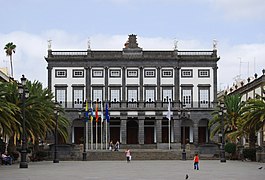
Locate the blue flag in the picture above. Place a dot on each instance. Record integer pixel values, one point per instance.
(107, 113)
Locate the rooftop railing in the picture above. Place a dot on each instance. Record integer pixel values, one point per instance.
(137, 105)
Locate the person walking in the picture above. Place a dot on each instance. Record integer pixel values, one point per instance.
(128, 155)
(196, 161)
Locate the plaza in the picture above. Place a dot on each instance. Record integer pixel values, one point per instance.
(174, 169)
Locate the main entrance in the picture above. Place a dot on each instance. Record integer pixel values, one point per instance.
(132, 132)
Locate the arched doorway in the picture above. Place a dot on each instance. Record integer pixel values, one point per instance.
(77, 131)
(132, 132)
(186, 131)
(203, 133)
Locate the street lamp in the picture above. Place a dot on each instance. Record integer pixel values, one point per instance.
(222, 111)
(23, 91)
(84, 138)
(183, 114)
(56, 112)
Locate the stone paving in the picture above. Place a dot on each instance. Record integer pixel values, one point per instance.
(136, 170)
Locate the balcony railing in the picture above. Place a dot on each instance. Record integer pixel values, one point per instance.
(139, 105)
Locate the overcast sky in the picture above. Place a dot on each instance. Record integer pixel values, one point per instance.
(237, 25)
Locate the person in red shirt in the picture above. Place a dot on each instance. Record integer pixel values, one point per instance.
(196, 162)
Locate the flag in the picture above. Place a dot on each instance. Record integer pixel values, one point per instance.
(91, 111)
(168, 111)
(96, 111)
(86, 111)
(102, 115)
(107, 113)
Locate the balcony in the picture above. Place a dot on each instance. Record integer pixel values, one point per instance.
(140, 105)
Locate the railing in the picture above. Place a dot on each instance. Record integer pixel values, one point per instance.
(195, 53)
(69, 53)
(139, 105)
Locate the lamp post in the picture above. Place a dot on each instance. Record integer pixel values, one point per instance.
(23, 91)
(221, 114)
(183, 114)
(84, 138)
(56, 112)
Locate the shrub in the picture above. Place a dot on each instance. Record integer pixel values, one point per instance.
(2, 146)
(41, 155)
(249, 154)
(230, 148)
(15, 155)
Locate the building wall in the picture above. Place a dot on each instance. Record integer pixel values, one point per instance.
(157, 77)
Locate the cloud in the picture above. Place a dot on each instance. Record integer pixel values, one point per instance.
(240, 9)
(31, 49)
(240, 62)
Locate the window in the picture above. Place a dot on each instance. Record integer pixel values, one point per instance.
(204, 98)
(167, 95)
(132, 95)
(114, 95)
(149, 95)
(186, 73)
(204, 73)
(149, 73)
(97, 73)
(78, 73)
(60, 96)
(186, 97)
(78, 96)
(62, 73)
(97, 94)
(167, 73)
(132, 73)
(115, 73)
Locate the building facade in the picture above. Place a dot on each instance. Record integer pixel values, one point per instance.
(137, 85)
(250, 89)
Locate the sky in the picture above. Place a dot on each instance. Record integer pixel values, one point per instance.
(237, 25)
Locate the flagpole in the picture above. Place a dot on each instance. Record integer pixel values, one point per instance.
(101, 126)
(169, 119)
(96, 135)
(86, 135)
(91, 121)
(169, 135)
(101, 136)
(106, 134)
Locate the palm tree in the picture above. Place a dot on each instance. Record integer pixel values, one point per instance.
(10, 49)
(253, 119)
(233, 114)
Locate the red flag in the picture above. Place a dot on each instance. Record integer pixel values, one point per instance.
(96, 111)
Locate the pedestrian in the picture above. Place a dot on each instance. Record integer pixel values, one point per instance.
(117, 146)
(128, 155)
(110, 145)
(7, 159)
(196, 161)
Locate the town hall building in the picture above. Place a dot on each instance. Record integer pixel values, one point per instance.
(137, 86)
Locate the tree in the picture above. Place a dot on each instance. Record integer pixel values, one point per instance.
(252, 120)
(10, 49)
(233, 105)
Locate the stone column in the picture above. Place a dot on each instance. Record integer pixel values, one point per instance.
(141, 84)
(88, 83)
(158, 130)
(158, 98)
(177, 85)
(106, 84)
(215, 84)
(141, 131)
(50, 78)
(177, 131)
(195, 133)
(123, 130)
(123, 89)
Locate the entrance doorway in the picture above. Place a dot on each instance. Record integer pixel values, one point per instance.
(132, 132)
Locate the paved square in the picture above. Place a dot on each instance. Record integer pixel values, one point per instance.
(137, 170)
